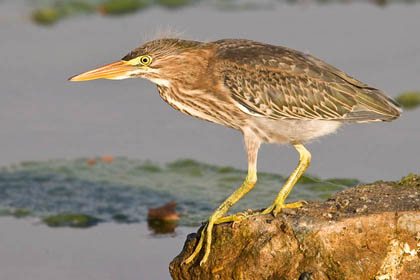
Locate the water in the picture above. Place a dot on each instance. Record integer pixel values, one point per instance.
(107, 252)
(128, 188)
(43, 116)
(56, 125)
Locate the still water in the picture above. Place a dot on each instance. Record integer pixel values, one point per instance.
(128, 188)
(43, 116)
(49, 127)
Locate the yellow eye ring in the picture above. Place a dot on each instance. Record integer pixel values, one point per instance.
(145, 60)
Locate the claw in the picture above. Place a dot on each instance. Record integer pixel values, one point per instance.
(209, 230)
(276, 208)
(207, 233)
(197, 248)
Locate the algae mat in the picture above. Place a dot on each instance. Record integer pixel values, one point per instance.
(123, 190)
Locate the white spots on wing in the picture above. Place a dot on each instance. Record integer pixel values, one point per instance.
(247, 96)
(245, 110)
(263, 107)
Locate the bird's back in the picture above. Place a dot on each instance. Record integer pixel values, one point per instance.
(282, 83)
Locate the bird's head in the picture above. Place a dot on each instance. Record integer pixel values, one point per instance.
(159, 61)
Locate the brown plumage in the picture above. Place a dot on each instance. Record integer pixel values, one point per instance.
(270, 93)
(243, 83)
(261, 77)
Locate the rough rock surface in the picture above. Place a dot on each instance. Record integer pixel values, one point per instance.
(366, 232)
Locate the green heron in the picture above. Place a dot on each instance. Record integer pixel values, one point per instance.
(272, 94)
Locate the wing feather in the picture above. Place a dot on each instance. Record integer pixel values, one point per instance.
(281, 83)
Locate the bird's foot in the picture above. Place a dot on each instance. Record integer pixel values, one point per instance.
(206, 233)
(198, 247)
(236, 217)
(275, 208)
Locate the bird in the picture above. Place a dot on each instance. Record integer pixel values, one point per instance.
(272, 94)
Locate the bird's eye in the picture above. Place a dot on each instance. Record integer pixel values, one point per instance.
(145, 60)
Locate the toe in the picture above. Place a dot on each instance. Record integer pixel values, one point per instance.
(293, 205)
(197, 248)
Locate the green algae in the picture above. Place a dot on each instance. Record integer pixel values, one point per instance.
(20, 213)
(59, 10)
(343, 181)
(120, 7)
(76, 220)
(74, 7)
(325, 196)
(189, 167)
(409, 180)
(306, 179)
(149, 167)
(49, 12)
(226, 169)
(46, 16)
(232, 179)
(172, 4)
(122, 191)
(17, 213)
(409, 100)
(184, 163)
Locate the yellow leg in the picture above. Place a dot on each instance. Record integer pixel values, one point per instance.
(248, 184)
(252, 145)
(235, 218)
(278, 204)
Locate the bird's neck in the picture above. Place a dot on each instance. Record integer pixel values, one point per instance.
(179, 101)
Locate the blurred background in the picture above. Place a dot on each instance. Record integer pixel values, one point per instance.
(104, 155)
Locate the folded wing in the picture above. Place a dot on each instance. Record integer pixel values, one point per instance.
(281, 83)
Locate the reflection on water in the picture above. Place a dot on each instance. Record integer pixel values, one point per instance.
(163, 219)
(128, 188)
(162, 227)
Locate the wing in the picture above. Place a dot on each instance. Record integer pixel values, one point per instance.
(281, 83)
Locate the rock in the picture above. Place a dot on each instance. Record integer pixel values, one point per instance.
(163, 219)
(366, 232)
(164, 213)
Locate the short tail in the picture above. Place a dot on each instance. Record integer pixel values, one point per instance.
(374, 105)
